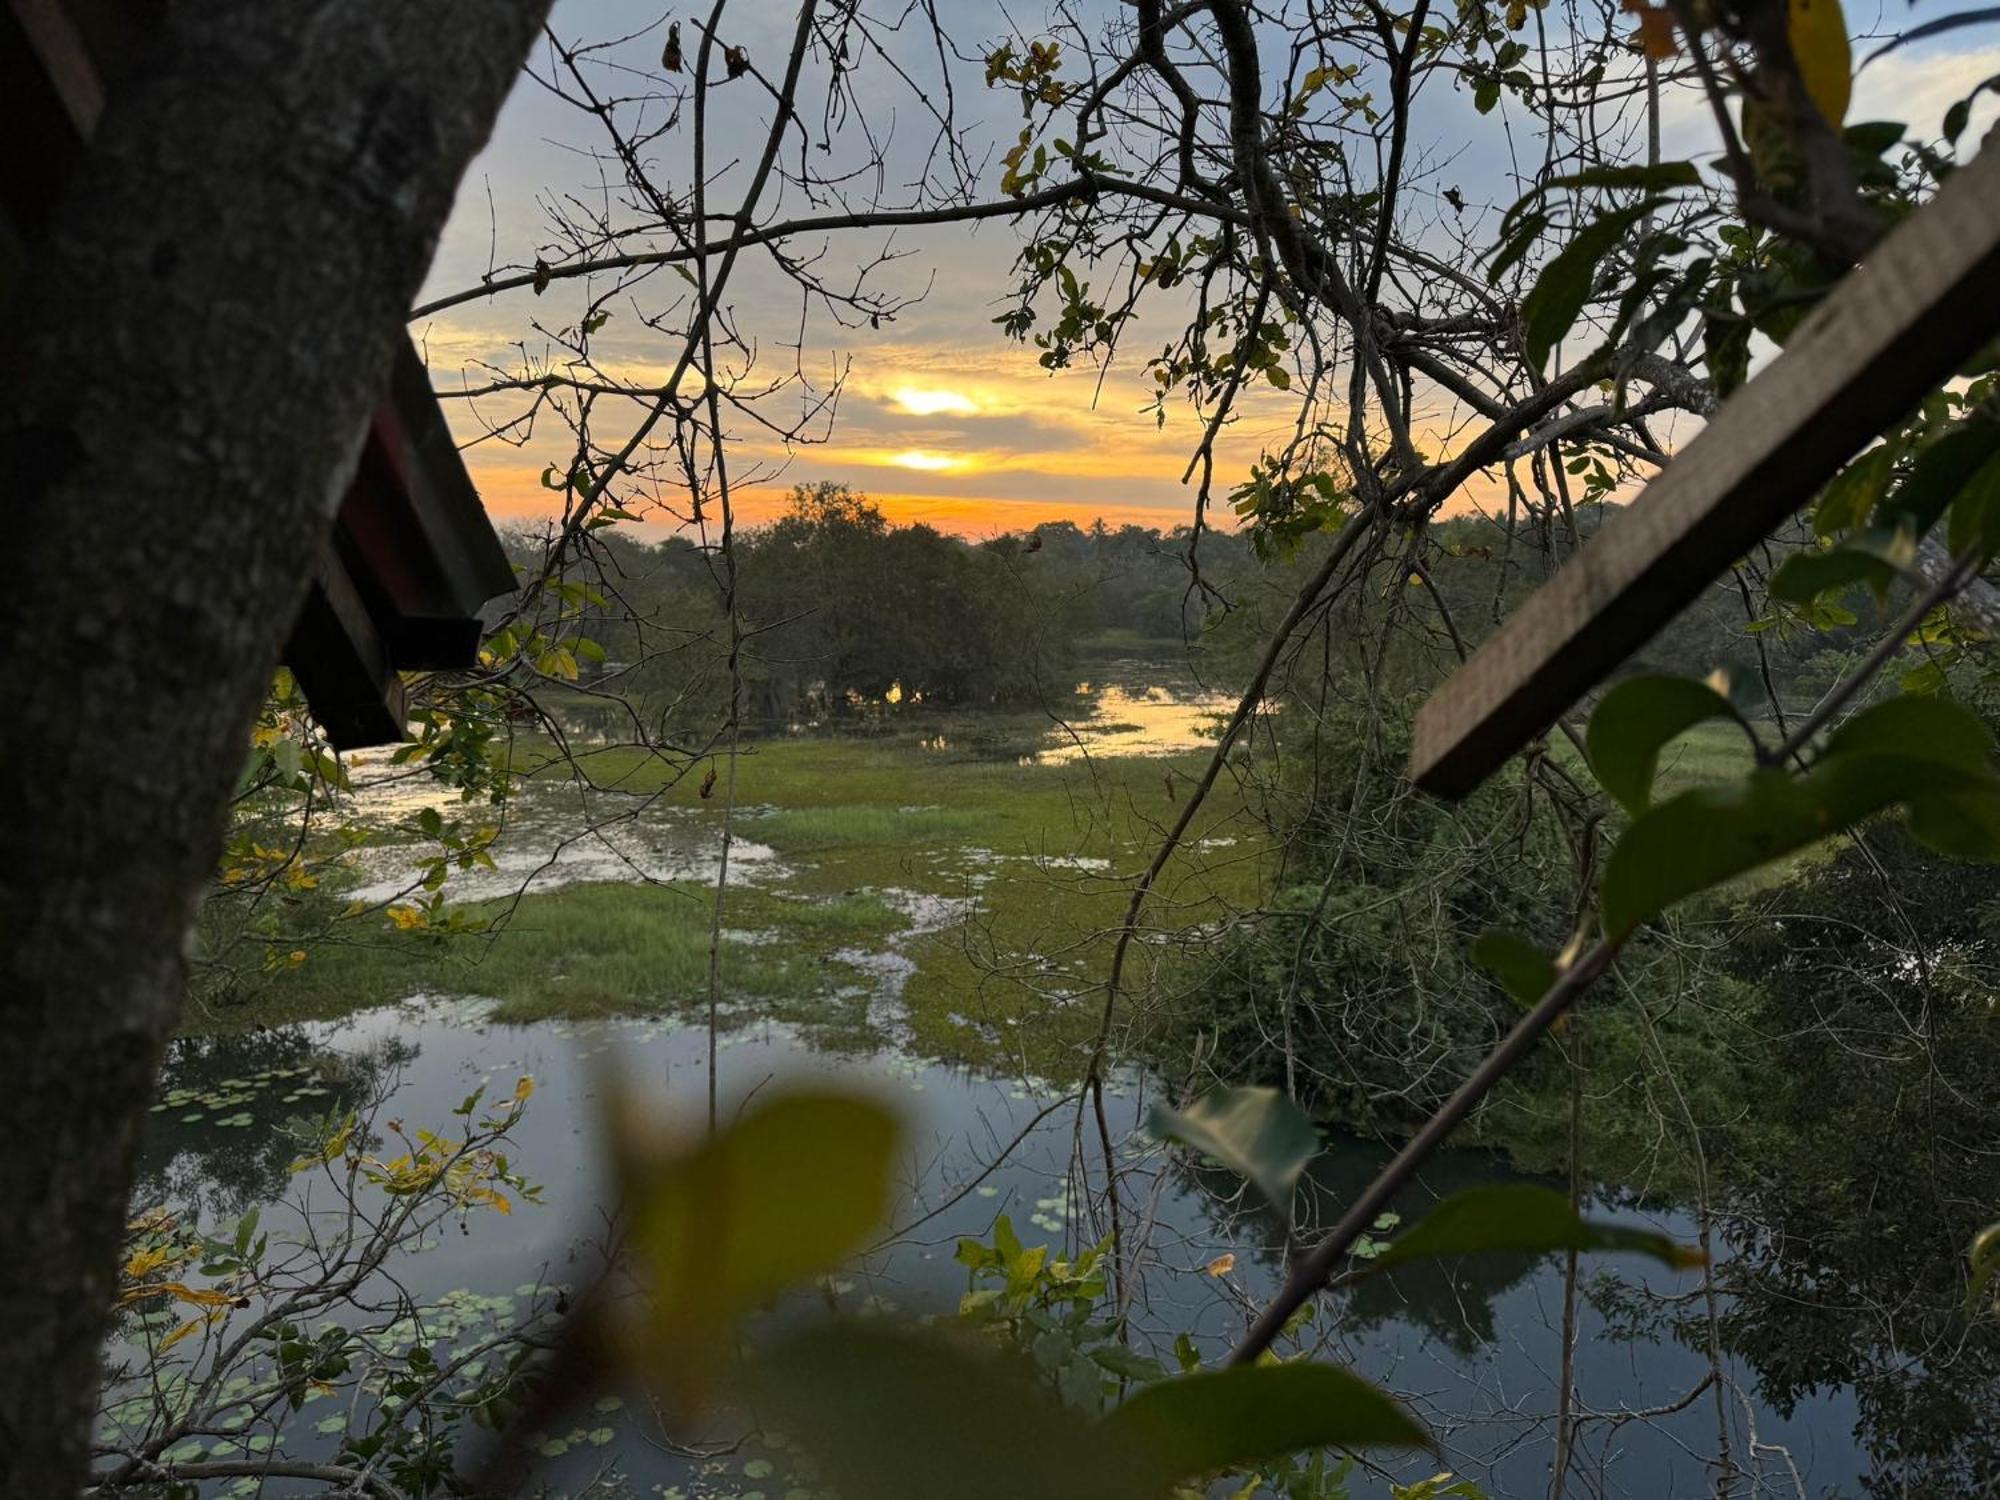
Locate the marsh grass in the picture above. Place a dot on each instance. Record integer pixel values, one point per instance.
(862, 825)
(811, 830)
(580, 952)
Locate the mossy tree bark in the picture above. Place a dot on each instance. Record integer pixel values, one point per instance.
(192, 357)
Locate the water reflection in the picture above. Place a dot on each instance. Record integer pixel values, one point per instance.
(215, 1143)
(1136, 710)
(1133, 706)
(560, 836)
(1476, 1346)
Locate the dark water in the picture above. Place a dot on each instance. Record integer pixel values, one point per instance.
(1476, 1350)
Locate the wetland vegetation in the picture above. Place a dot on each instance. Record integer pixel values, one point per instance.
(821, 1007)
(924, 893)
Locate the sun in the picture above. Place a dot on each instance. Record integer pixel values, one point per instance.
(927, 403)
(928, 462)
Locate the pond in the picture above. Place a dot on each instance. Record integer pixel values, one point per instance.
(558, 833)
(1475, 1349)
(913, 910)
(1137, 707)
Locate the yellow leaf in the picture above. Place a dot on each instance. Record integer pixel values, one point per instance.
(1656, 29)
(179, 1291)
(145, 1262)
(789, 1191)
(335, 1147)
(1818, 33)
(184, 1330)
(1222, 1265)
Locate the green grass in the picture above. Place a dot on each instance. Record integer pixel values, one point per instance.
(849, 817)
(580, 952)
(1708, 752)
(1712, 751)
(812, 830)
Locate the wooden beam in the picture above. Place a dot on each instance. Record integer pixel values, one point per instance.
(1894, 329)
(65, 59)
(342, 665)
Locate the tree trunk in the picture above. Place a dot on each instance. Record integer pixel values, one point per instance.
(193, 355)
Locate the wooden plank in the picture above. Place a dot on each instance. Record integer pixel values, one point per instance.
(342, 664)
(65, 60)
(411, 426)
(1890, 333)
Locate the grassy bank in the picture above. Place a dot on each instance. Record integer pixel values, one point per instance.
(982, 885)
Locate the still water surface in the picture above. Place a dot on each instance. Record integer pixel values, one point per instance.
(1475, 1349)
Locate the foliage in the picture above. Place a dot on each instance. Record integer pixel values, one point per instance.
(1256, 1132)
(232, 1337)
(1361, 972)
(1868, 1166)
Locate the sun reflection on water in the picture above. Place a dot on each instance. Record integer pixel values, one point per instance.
(1134, 720)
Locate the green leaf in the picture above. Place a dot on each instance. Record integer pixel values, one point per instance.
(893, 1414)
(1516, 243)
(1956, 809)
(1804, 576)
(1930, 728)
(1222, 1419)
(1873, 137)
(1975, 514)
(1661, 177)
(1925, 677)
(1523, 970)
(1256, 1132)
(1923, 753)
(1634, 720)
(1938, 474)
(791, 1190)
(1130, 1363)
(1522, 1218)
(1854, 492)
(1702, 838)
(1548, 311)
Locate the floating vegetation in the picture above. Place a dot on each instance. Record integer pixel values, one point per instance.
(223, 1104)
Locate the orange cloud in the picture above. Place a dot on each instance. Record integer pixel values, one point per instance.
(980, 516)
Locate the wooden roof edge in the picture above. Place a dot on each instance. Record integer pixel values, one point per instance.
(342, 663)
(1894, 328)
(446, 505)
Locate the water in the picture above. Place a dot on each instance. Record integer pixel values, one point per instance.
(1475, 1349)
(557, 835)
(1134, 708)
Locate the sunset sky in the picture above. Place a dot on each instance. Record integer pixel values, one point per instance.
(940, 418)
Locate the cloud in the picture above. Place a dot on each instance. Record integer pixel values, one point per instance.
(1919, 85)
(1915, 86)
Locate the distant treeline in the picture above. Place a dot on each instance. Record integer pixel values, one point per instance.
(841, 611)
